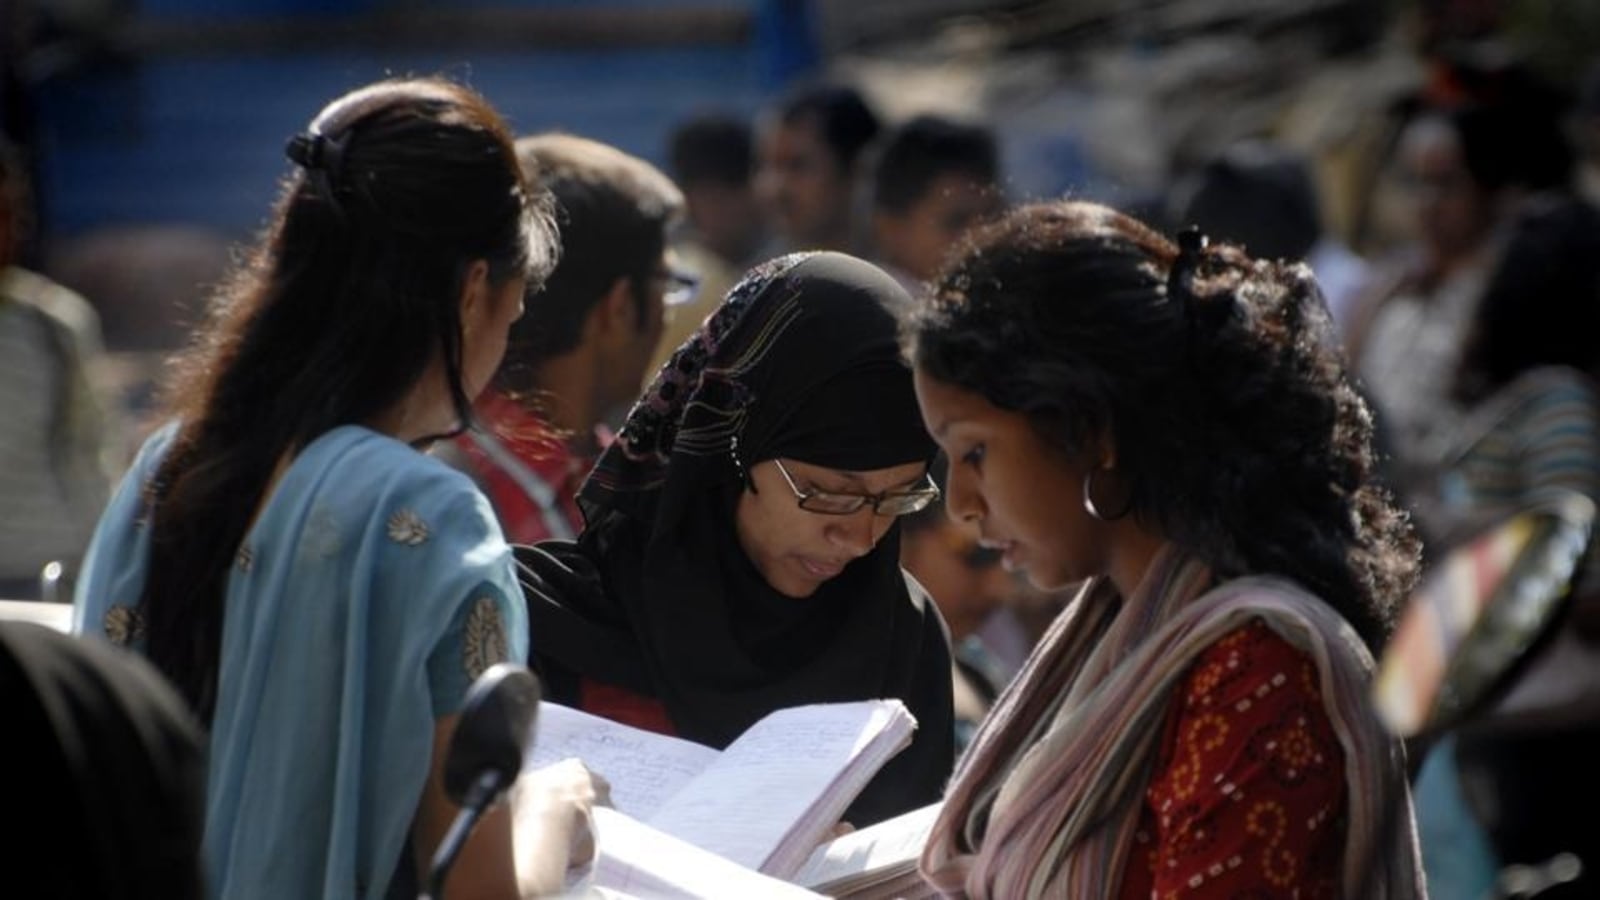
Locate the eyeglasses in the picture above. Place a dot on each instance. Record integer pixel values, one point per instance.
(682, 287)
(888, 503)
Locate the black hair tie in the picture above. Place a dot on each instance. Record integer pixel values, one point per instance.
(1191, 251)
(322, 157)
(1201, 314)
(305, 150)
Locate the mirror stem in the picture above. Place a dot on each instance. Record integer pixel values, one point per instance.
(482, 793)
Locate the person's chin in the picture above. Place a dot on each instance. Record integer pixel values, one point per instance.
(1051, 577)
(1016, 560)
(803, 577)
(1042, 583)
(796, 589)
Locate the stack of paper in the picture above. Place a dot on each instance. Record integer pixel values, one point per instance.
(635, 860)
(873, 863)
(765, 802)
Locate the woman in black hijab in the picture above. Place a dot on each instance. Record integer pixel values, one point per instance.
(106, 784)
(741, 553)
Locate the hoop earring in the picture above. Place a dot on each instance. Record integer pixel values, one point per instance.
(1088, 499)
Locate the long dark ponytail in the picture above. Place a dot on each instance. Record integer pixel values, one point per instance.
(348, 299)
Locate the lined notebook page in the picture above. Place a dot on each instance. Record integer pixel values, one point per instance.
(637, 860)
(644, 769)
(744, 805)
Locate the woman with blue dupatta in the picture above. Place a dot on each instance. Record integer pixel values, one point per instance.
(319, 591)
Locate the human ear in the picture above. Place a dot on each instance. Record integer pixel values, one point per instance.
(476, 294)
(1105, 450)
(616, 310)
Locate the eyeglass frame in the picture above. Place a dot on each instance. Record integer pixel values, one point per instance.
(680, 287)
(929, 494)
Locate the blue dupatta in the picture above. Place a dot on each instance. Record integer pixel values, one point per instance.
(371, 590)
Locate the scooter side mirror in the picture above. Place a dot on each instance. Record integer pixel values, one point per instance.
(1466, 633)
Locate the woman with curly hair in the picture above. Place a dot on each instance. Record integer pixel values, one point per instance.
(1173, 424)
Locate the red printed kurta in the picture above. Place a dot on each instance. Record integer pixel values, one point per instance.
(1248, 794)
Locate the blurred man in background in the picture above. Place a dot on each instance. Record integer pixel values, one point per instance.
(54, 475)
(713, 162)
(933, 179)
(1586, 133)
(970, 588)
(580, 350)
(810, 152)
(1262, 196)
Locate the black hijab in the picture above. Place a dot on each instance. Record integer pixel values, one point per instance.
(106, 793)
(800, 361)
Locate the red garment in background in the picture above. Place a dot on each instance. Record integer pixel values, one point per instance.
(622, 705)
(537, 447)
(1247, 799)
(541, 453)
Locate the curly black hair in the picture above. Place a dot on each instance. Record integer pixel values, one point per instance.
(1238, 432)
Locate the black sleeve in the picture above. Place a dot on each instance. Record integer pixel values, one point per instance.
(916, 777)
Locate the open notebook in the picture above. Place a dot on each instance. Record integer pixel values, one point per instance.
(635, 860)
(765, 802)
(874, 863)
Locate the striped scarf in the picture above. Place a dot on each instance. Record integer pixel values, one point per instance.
(1046, 801)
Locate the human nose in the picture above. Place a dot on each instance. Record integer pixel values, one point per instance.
(858, 532)
(962, 502)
